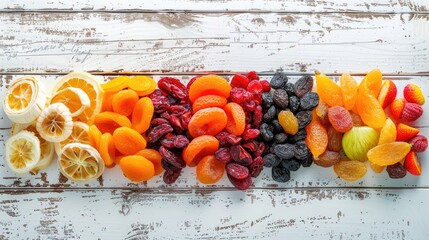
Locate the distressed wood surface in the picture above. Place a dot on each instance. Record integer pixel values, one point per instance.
(384, 6)
(226, 42)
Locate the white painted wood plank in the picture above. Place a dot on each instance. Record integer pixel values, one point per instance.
(219, 5)
(193, 214)
(305, 177)
(184, 42)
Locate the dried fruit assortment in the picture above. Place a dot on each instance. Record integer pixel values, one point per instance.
(220, 127)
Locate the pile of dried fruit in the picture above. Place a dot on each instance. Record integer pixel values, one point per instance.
(350, 127)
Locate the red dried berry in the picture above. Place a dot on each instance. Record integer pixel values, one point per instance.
(168, 142)
(240, 156)
(411, 112)
(255, 87)
(175, 123)
(180, 141)
(257, 117)
(250, 134)
(233, 140)
(420, 143)
(223, 155)
(250, 105)
(171, 176)
(266, 87)
(262, 148)
(239, 81)
(185, 119)
(158, 132)
(172, 157)
(252, 75)
(256, 167)
(250, 146)
(340, 119)
(237, 171)
(158, 121)
(241, 184)
(237, 95)
(173, 86)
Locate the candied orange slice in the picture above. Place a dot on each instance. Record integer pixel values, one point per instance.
(210, 170)
(209, 85)
(389, 153)
(208, 121)
(109, 121)
(236, 118)
(116, 84)
(328, 90)
(128, 141)
(107, 150)
(208, 101)
(124, 101)
(371, 83)
(142, 115)
(370, 110)
(198, 148)
(137, 168)
(349, 90)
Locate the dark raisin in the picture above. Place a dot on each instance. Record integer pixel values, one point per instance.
(280, 138)
(241, 184)
(266, 134)
(180, 141)
(279, 80)
(223, 155)
(301, 151)
(303, 85)
(257, 117)
(237, 171)
(280, 173)
(396, 170)
(256, 167)
(240, 155)
(277, 127)
(271, 160)
(284, 151)
(158, 132)
(307, 162)
(172, 157)
(290, 89)
(291, 164)
(267, 100)
(294, 103)
(171, 176)
(299, 136)
(270, 114)
(304, 118)
(280, 98)
(309, 101)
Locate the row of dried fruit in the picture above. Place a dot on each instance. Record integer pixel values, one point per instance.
(237, 127)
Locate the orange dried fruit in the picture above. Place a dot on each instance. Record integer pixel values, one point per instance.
(142, 84)
(198, 148)
(128, 141)
(370, 110)
(109, 121)
(115, 85)
(208, 121)
(328, 90)
(208, 101)
(124, 101)
(387, 132)
(118, 157)
(142, 115)
(137, 168)
(317, 137)
(376, 168)
(107, 150)
(349, 90)
(94, 136)
(350, 170)
(210, 170)
(371, 83)
(153, 156)
(236, 118)
(288, 121)
(389, 153)
(209, 85)
(107, 102)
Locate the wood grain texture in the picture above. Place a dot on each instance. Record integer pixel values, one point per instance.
(226, 42)
(200, 214)
(304, 178)
(386, 6)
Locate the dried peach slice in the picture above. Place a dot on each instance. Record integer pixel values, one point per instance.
(142, 115)
(107, 150)
(137, 168)
(210, 170)
(208, 101)
(124, 101)
(208, 121)
(209, 85)
(109, 121)
(153, 156)
(236, 118)
(128, 141)
(198, 148)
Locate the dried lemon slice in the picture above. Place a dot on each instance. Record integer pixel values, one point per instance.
(24, 100)
(87, 83)
(75, 99)
(55, 123)
(22, 151)
(79, 134)
(80, 162)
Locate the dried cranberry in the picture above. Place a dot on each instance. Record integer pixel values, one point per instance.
(168, 142)
(172, 100)
(233, 140)
(180, 141)
(256, 167)
(158, 132)
(172, 157)
(265, 86)
(239, 81)
(156, 93)
(257, 117)
(171, 176)
(158, 121)
(167, 166)
(160, 103)
(240, 156)
(223, 155)
(175, 123)
(250, 134)
(250, 146)
(237, 171)
(179, 109)
(257, 98)
(262, 148)
(192, 81)
(185, 119)
(252, 75)
(173, 86)
(255, 87)
(237, 95)
(222, 138)
(241, 184)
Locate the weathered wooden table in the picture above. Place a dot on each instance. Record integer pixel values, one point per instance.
(183, 38)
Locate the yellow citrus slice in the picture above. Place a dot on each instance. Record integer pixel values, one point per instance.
(79, 134)
(74, 98)
(55, 123)
(80, 162)
(90, 86)
(22, 151)
(24, 100)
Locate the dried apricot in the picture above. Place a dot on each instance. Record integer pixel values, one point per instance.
(137, 168)
(208, 101)
(109, 121)
(94, 136)
(334, 140)
(150, 90)
(236, 118)
(140, 83)
(107, 102)
(107, 150)
(376, 168)
(289, 122)
(209, 85)
(371, 83)
(350, 170)
(118, 157)
(389, 153)
(370, 110)
(328, 90)
(142, 115)
(123, 102)
(340, 119)
(317, 137)
(198, 148)
(153, 156)
(349, 90)
(116, 84)
(210, 170)
(387, 132)
(128, 141)
(322, 112)
(208, 121)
